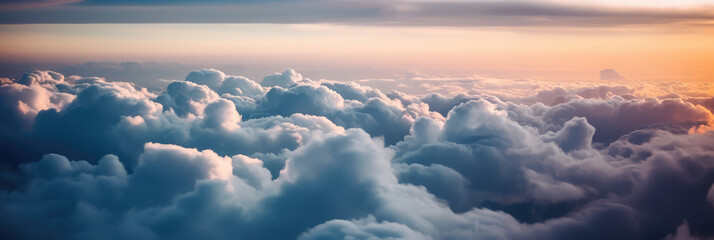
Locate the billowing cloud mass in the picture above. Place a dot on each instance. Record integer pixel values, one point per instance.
(220, 156)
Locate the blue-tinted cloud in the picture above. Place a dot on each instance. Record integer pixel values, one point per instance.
(221, 156)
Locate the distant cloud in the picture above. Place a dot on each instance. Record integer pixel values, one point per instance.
(285, 79)
(610, 74)
(682, 233)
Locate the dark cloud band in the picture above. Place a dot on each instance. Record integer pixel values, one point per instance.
(399, 13)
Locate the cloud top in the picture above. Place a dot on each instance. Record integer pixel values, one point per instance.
(221, 156)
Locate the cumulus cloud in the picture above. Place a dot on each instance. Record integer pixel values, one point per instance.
(682, 233)
(285, 79)
(366, 228)
(221, 156)
(610, 74)
(227, 84)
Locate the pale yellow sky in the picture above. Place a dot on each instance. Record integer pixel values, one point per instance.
(684, 52)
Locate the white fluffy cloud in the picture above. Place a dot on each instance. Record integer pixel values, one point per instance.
(220, 156)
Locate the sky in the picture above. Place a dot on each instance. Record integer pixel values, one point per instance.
(379, 120)
(648, 40)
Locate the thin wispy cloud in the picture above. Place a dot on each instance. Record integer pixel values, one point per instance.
(401, 13)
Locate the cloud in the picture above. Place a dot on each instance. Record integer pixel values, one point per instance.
(186, 98)
(366, 228)
(576, 134)
(284, 80)
(610, 74)
(221, 156)
(682, 233)
(478, 174)
(616, 116)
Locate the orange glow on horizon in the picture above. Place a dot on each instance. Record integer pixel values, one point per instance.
(672, 52)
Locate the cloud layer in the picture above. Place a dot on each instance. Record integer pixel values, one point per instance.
(396, 13)
(221, 156)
